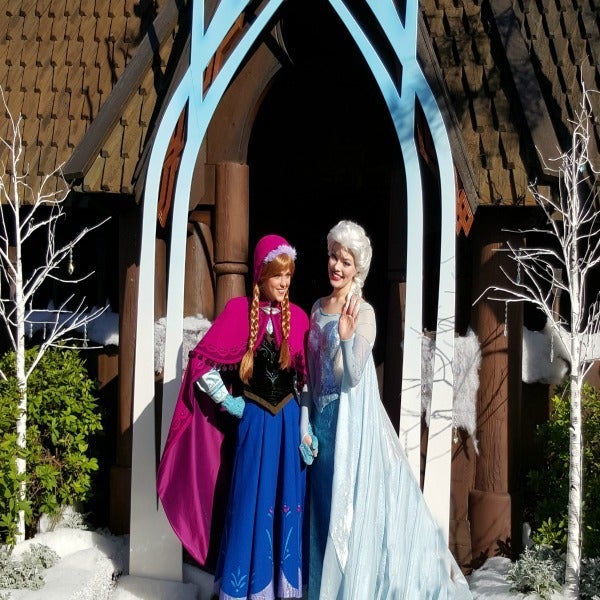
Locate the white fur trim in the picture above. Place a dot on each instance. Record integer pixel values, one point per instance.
(282, 249)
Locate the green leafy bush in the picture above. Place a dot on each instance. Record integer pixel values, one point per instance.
(9, 479)
(62, 417)
(549, 485)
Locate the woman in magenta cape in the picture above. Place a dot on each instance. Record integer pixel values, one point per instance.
(241, 385)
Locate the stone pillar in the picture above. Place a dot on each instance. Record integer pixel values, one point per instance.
(231, 231)
(494, 502)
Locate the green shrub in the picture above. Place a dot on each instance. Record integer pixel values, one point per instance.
(550, 484)
(9, 479)
(62, 416)
(589, 581)
(539, 569)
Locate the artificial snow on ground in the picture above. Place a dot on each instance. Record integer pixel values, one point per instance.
(93, 565)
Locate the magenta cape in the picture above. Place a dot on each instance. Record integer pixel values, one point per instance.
(193, 474)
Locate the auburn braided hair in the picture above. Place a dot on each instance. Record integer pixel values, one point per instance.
(280, 263)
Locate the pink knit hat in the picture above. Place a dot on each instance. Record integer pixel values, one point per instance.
(267, 248)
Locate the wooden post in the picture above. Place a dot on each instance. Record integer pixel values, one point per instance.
(463, 450)
(199, 294)
(392, 375)
(231, 231)
(120, 476)
(494, 502)
(160, 279)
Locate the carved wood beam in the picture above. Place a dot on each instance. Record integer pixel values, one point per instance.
(435, 78)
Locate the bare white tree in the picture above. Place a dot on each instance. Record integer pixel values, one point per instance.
(571, 220)
(27, 209)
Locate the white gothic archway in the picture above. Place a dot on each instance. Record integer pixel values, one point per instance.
(154, 550)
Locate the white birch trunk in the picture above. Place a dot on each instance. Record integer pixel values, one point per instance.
(20, 373)
(573, 561)
(21, 443)
(572, 224)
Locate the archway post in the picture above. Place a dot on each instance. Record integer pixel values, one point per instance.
(154, 550)
(401, 99)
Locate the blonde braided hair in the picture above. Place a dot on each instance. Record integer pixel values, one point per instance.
(280, 263)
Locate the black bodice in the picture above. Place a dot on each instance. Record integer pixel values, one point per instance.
(270, 386)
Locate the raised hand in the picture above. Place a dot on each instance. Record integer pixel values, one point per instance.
(349, 318)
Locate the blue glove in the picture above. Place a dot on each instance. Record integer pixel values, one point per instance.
(234, 405)
(315, 442)
(309, 452)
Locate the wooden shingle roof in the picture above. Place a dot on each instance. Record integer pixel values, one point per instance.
(60, 62)
(87, 77)
(513, 70)
(563, 39)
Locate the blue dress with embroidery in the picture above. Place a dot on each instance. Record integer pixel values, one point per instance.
(371, 532)
(261, 546)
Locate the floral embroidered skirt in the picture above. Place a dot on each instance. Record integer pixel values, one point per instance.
(261, 550)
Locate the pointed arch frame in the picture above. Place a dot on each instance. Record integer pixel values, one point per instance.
(154, 550)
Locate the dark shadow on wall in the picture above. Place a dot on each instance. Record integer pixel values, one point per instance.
(323, 148)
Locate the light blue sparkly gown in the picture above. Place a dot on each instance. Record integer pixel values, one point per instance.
(371, 533)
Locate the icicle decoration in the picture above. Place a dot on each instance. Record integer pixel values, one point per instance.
(85, 335)
(551, 346)
(505, 318)
(71, 265)
(518, 270)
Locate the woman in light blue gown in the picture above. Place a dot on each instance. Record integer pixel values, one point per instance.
(371, 533)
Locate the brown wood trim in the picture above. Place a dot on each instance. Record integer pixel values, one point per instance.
(142, 166)
(433, 73)
(171, 168)
(127, 85)
(227, 45)
(464, 214)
